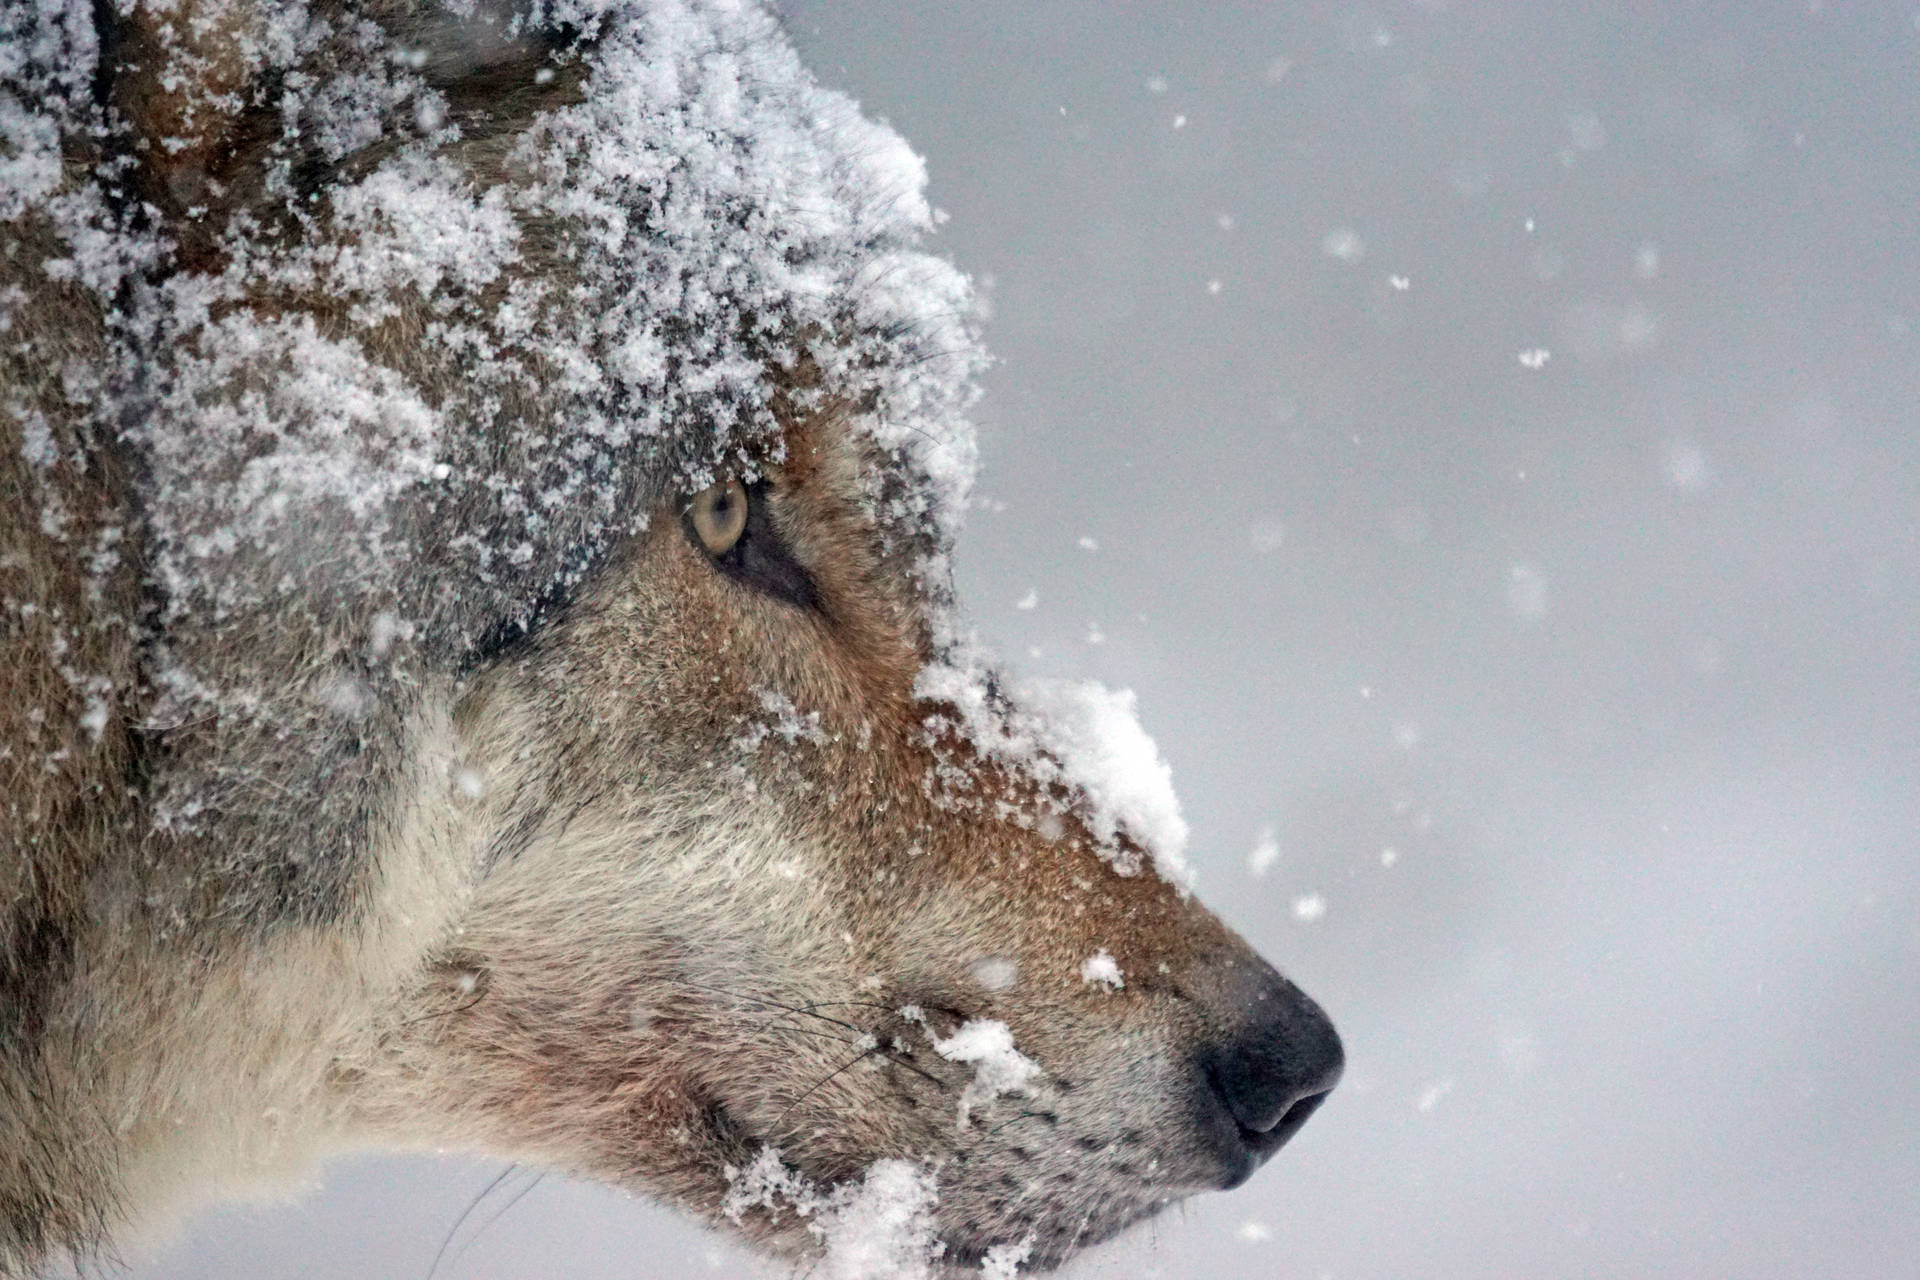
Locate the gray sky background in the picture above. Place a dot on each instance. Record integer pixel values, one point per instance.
(1581, 690)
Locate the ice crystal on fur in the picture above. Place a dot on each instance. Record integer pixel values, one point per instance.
(781, 720)
(763, 1185)
(883, 1230)
(987, 1045)
(1101, 967)
(1082, 735)
(1003, 1260)
(879, 1229)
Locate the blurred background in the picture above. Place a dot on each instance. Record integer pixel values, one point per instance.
(1485, 435)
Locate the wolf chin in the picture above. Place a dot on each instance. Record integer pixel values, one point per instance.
(480, 671)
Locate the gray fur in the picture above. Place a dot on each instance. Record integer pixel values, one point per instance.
(377, 745)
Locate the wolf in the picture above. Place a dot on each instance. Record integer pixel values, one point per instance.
(481, 670)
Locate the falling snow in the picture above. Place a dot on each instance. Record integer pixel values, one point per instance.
(1266, 852)
(1344, 245)
(1527, 593)
(996, 973)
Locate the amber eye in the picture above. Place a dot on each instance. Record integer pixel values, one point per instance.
(719, 516)
(733, 525)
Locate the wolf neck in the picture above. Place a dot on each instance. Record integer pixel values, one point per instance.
(232, 1068)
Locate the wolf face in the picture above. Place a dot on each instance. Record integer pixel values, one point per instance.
(506, 691)
(764, 899)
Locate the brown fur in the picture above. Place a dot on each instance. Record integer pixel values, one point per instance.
(607, 862)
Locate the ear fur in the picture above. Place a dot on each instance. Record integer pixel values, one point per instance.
(184, 79)
(232, 106)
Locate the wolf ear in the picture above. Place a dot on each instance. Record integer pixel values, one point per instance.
(214, 94)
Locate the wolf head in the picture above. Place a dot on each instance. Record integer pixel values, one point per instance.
(511, 455)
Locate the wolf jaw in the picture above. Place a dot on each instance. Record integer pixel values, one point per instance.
(390, 762)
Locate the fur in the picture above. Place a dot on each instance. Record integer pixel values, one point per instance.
(384, 761)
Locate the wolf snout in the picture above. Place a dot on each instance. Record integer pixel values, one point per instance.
(1268, 1068)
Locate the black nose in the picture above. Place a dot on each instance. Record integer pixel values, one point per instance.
(1272, 1067)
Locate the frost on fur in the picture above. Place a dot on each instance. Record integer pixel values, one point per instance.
(880, 1229)
(998, 1067)
(1079, 735)
(1102, 968)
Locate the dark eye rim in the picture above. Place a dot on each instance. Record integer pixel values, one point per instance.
(760, 558)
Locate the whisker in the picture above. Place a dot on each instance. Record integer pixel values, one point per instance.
(811, 1011)
(466, 1213)
(772, 1004)
(839, 1004)
(502, 1212)
(905, 1065)
(444, 1013)
(811, 1008)
(1074, 1245)
(809, 1031)
(821, 1083)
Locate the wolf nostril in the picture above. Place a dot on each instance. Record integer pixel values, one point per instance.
(1262, 1077)
(1268, 1075)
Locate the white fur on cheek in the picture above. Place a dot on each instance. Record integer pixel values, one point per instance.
(234, 1087)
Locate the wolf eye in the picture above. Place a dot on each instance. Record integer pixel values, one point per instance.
(719, 516)
(732, 522)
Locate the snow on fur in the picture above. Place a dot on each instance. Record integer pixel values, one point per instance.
(987, 1046)
(879, 1229)
(1077, 734)
(345, 376)
(732, 238)
(884, 1230)
(442, 380)
(722, 218)
(1101, 967)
